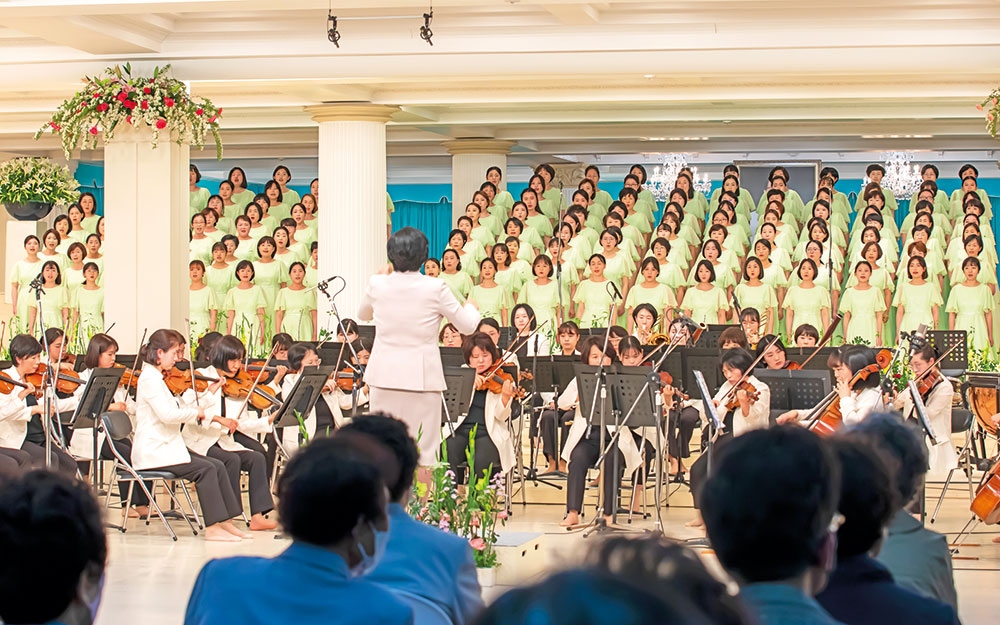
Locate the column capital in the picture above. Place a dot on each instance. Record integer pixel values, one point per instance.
(478, 146)
(351, 112)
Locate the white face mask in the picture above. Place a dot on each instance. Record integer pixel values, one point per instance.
(94, 604)
(370, 561)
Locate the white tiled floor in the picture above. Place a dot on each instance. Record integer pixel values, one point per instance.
(150, 576)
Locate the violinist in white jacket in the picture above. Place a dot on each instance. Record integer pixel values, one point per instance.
(489, 414)
(229, 439)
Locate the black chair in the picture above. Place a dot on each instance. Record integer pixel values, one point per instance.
(961, 421)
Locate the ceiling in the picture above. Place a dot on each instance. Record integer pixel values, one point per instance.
(591, 81)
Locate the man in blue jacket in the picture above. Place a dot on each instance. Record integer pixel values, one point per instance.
(332, 503)
(422, 565)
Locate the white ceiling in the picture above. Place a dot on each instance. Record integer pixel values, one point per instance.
(563, 78)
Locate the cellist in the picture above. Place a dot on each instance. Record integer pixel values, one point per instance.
(936, 392)
(858, 397)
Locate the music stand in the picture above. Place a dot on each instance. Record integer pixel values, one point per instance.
(794, 390)
(593, 331)
(460, 384)
(366, 332)
(303, 397)
(818, 363)
(710, 337)
(506, 337)
(957, 361)
(452, 356)
(706, 361)
(97, 395)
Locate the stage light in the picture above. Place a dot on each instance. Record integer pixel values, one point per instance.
(331, 30)
(425, 31)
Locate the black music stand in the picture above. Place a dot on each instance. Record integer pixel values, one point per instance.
(635, 394)
(460, 384)
(799, 355)
(303, 396)
(955, 363)
(452, 357)
(366, 332)
(592, 386)
(794, 390)
(706, 361)
(710, 337)
(593, 331)
(506, 337)
(97, 395)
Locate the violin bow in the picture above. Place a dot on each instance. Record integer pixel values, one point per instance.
(518, 341)
(749, 371)
(190, 359)
(827, 336)
(135, 363)
(253, 386)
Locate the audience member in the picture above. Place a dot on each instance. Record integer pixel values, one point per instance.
(670, 571)
(421, 563)
(917, 557)
(861, 591)
(769, 507)
(53, 551)
(332, 504)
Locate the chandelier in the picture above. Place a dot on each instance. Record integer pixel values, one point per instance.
(900, 177)
(664, 177)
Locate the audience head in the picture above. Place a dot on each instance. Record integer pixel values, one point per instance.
(900, 449)
(866, 498)
(768, 506)
(392, 434)
(54, 551)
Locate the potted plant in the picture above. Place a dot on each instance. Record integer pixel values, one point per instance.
(29, 187)
(117, 99)
(472, 512)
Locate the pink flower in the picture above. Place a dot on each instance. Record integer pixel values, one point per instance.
(144, 104)
(168, 102)
(502, 514)
(212, 119)
(147, 90)
(103, 106)
(990, 117)
(199, 112)
(55, 126)
(979, 107)
(122, 96)
(219, 112)
(993, 101)
(478, 544)
(96, 95)
(474, 522)
(93, 130)
(161, 124)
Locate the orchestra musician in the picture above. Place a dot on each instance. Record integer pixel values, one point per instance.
(683, 416)
(746, 408)
(775, 356)
(937, 399)
(404, 373)
(857, 400)
(489, 413)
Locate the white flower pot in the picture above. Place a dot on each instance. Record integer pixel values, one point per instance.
(487, 577)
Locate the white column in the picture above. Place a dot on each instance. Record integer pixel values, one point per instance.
(470, 158)
(146, 251)
(352, 209)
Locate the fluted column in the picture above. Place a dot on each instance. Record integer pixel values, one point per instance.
(470, 158)
(146, 253)
(352, 212)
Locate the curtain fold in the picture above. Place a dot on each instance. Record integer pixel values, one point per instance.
(432, 218)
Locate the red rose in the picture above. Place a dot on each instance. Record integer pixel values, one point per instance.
(145, 104)
(122, 96)
(212, 119)
(97, 95)
(161, 123)
(129, 104)
(219, 112)
(168, 102)
(55, 126)
(128, 118)
(93, 130)
(147, 90)
(199, 112)
(103, 106)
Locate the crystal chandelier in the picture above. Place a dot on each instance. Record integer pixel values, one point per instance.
(664, 177)
(900, 177)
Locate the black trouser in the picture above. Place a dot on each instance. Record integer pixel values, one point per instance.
(215, 491)
(581, 459)
(13, 462)
(270, 451)
(699, 470)
(61, 461)
(554, 428)
(682, 425)
(256, 467)
(486, 453)
(124, 448)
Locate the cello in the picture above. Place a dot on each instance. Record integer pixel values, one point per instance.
(826, 418)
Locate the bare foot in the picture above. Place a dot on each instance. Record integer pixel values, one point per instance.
(235, 531)
(637, 500)
(696, 522)
(572, 518)
(259, 523)
(142, 511)
(217, 534)
(674, 466)
(562, 466)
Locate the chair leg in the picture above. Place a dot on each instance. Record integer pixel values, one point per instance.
(107, 500)
(194, 511)
(177, 504)
(944, 491)
(159, 512)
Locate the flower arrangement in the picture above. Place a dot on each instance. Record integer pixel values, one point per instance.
(991, 108)
(982, 360)
(36, 180)
(116, 97)
(472, 514)
(900, 373)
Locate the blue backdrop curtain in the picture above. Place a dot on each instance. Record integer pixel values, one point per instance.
(432, 218)
(91, 179)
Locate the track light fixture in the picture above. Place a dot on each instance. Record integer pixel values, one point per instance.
(331, 29)
(425, 31)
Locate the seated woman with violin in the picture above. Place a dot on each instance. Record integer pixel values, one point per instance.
(54, 338)
(225, 437)
(774, 354)
(488, 414)
(743, 403)
(350, 391)
(733, 337)
(321, 420)
(21, 424)
(522, 318)
(158, 443)
(936, 392)
(683, 416)
(101, 354)
(583, 443)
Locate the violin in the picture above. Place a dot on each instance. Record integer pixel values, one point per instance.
(241, 386)
(178, 380)
(130, 378)
(752, 394)
(791, 365)
(66, 381)
(493, 382)
(7, 385)
(926, 384)
(345, 379)
(832, 419)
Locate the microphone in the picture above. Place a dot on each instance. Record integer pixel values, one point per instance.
(614, 288)
(322, 284)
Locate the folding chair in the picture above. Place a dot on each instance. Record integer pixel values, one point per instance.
(118, 427)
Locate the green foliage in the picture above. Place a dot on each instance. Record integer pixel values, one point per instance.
(990, 108)
(116, 98)
(36, 180)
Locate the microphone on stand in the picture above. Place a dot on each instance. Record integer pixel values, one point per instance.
(614, 289)
(36, 284)
(323, 284)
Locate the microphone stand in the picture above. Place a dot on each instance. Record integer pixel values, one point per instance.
(49, 381)
(323, 287)
(558, 263)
